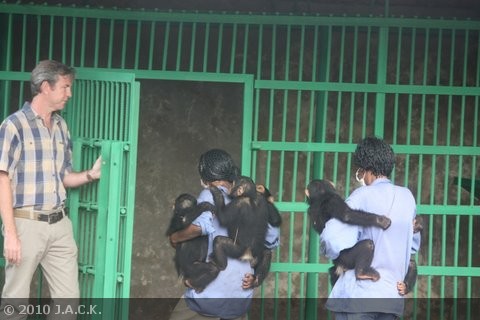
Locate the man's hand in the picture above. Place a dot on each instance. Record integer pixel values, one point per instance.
(12, 248)
(96, 171)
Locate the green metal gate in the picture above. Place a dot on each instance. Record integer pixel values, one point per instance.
(321, 83)
(103, 120)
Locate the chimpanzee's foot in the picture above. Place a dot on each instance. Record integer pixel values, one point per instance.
(197, 289)
(368, 274)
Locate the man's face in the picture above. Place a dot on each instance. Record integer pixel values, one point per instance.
(59, 93)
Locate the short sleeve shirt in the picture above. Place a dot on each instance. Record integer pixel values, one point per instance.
(35, 158)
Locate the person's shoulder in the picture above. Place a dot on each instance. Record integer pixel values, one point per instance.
(403, 189)
(205, 196)
(358, 193)
(15, 120)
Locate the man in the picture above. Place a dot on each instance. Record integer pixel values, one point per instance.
(35, 170)
(366, 299)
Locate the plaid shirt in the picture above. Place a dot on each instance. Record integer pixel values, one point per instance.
(35, 159)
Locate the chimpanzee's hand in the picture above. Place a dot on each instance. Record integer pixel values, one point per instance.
(248, 281)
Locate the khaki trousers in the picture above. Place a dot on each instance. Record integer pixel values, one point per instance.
(53, 247)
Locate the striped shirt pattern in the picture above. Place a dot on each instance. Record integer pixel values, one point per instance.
(35, 158)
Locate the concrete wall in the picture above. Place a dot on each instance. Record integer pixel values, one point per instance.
(178, 122)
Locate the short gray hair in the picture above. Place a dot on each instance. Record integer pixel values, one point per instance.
(49, 70)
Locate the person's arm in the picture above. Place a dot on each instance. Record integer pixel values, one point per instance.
(12, 248)
(190, 232)
(77, 179)
(201, 226)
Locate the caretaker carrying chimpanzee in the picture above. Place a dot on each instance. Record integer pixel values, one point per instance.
(375, 160)
(35, 170)
(217, 168)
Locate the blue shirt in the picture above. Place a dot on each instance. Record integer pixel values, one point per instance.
(392, 250)
(35, 158)
(224, 296)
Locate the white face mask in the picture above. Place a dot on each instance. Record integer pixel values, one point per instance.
(203, 184)
(360, 180)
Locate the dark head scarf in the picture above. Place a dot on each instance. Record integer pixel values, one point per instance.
(217, 164)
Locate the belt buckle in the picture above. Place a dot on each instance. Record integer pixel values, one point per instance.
(55, 217)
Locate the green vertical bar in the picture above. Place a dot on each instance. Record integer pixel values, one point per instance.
(219, 47)
(381, 80)
(111, 35)
(352, 100)
(97, 42)
(260, 52)
(247, 124)
(24, 42)
(84, 40)
(422, 116)
(111, 229)
(64, 39)
(50, 43)
(295, 170)
(301, 53)
(410, 102)
(234, 48)
(321, 105)
(101, 224)
(179, 46)
(131, 183)
(151, 45)
(256, 117)
(192, 47)
(245, 48)
(73, 38)
(165, 46)
(39, 32)
(340, 95)
(124, 43)
(257, 107)
(205, 47)
(137, 44)
(311, 112)
(342, 56)
(272, 103)
(367, 80)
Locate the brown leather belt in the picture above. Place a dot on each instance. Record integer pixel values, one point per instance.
(50, 216)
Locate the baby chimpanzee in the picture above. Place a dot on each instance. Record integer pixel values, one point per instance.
(190, 255)
(325, 203)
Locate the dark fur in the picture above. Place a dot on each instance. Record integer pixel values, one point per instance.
(246, 219)
(411, 276)
(274, 218)
(325, 204)
(190, 255)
